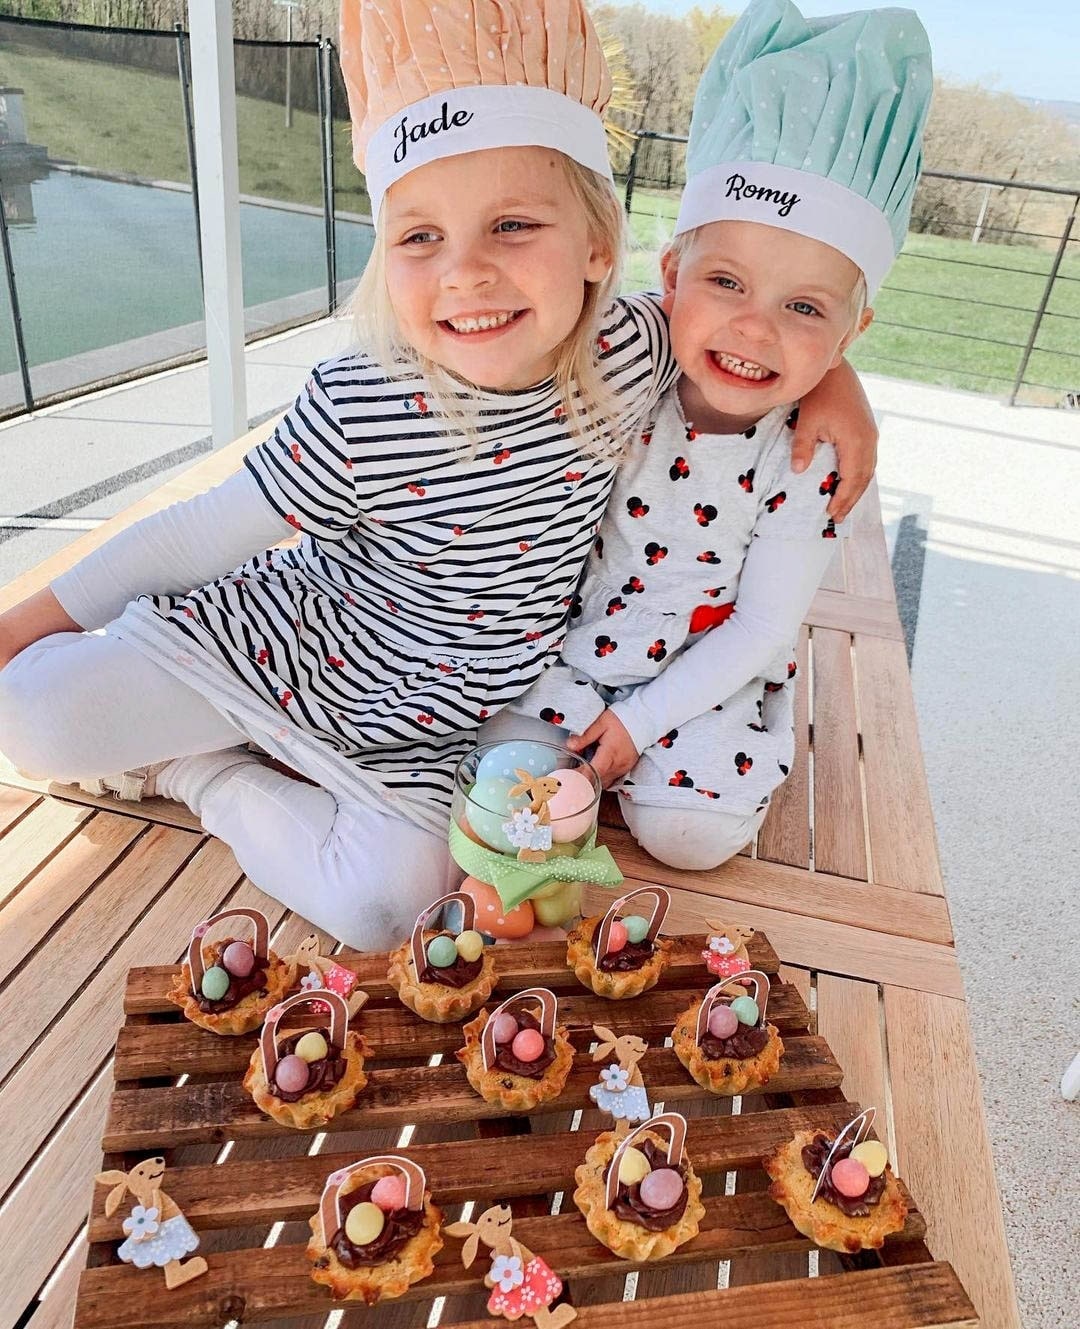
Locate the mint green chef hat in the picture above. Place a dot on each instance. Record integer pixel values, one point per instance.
(813, 125)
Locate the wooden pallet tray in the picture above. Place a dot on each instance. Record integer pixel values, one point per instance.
(267, 1177)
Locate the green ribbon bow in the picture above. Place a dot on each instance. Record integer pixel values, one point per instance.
(516, 881)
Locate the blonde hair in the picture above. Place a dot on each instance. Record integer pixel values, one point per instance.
(589, 402)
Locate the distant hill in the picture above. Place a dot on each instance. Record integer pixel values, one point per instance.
(1067, 111)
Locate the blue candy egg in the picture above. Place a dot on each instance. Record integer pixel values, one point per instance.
(488, 807)
(506, 759)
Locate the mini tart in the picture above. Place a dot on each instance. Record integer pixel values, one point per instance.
(820, 1220)
(617, 986)
(516, 1093)
(622, 1237)
(249, 1011)
(724, 1075)
(319, 1106)
(438, 1002)
(388, 1278)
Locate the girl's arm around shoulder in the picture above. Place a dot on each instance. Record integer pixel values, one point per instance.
(838, 410)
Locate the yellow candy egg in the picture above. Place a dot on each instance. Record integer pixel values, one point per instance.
(470, 945)
(364, 1223)
(312, 1047)
(873, 1155)
(633, 1167)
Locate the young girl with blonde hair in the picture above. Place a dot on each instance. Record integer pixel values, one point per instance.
(446, 481)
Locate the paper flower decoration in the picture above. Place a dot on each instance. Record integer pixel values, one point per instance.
(615, 1078)
(141, 1222)
(507, 1271)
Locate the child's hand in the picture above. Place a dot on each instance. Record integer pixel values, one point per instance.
(837, 410)
(615, 753)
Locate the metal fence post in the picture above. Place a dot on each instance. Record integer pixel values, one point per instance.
(328, 216)
(631, 171)
(189, 138)
(332, 229)
(16, 316)
(1047, 289)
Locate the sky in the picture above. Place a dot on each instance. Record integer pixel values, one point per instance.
(1029, 47)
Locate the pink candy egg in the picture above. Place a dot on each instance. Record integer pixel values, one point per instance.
(505, 1027)
(389, 1193)
(617, 937)
(850, 1178)
(661, 1189)
(239, 958)
(292, 1074)
(723, 1022)
(528, 1044)
(573, 808)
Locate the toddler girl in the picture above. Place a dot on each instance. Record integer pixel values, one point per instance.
(678, 665)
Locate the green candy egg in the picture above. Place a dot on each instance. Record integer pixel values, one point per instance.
(441, 952)
(746, 1010)
(636, 927)
(215, 983)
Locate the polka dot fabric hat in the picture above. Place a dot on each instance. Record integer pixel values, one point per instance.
(815, 126)
(428, 80)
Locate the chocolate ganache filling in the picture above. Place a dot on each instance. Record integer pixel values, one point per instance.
(746, 1041)
(629, 1205)
(531, 1070)
(457, 975)
(400, 1226)
(632, 956)
(238, 988)
(813, 1157)
(322, 1074)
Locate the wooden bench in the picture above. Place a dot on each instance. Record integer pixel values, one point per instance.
(844, 879)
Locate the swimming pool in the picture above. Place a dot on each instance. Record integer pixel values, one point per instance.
(108, 274)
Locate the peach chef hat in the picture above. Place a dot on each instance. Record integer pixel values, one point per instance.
(434, 78)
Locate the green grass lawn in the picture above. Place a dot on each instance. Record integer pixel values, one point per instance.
(117, 119)
(935, 318)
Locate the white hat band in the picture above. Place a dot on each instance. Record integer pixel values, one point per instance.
(482, 116)
(794, 200)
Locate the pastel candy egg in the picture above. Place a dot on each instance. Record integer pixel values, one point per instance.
(469, 945)
(528, 1044)
(492, 918)
(238, 958)
(723, 1022)
(850, 1178)
(616, 937)
(873, 1155)
(559, 905)
(746, 1010)
(488, 807)
(215, 983)
(633, 1167)
(441, 952)
(364, 1223)
(506, 759)
(292, 1073)
(637, 928)
(573, 808)
(504, 1027)
(389, 1193)
(312, 1047)
(661, 1189)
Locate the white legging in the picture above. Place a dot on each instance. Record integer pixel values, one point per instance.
(681, 838)
(76, 706)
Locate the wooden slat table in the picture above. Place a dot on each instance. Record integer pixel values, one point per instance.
(233, 1201)
(843, 878)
